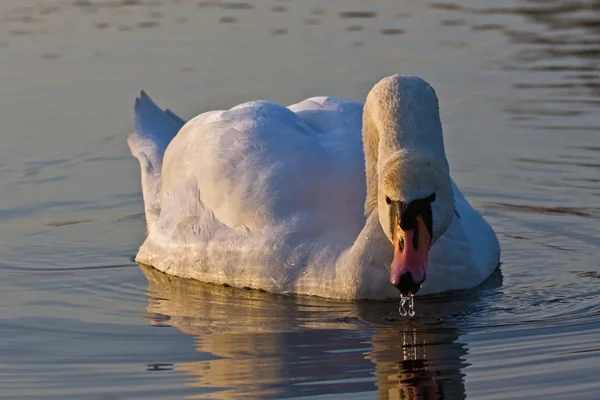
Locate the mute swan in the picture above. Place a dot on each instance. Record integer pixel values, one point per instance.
(275, 198)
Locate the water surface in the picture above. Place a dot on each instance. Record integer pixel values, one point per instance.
(519, 88)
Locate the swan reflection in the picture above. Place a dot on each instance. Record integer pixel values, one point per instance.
(258, 345)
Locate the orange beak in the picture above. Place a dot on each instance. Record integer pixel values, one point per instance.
(411, 248)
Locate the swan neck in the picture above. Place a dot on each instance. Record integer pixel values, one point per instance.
(401, 114)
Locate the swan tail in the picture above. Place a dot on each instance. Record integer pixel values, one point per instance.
(153, 131)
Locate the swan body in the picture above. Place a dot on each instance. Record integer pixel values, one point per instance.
(275, 198)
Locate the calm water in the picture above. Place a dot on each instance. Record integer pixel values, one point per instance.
(519, 85)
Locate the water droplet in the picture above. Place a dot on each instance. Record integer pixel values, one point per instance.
(407, 305)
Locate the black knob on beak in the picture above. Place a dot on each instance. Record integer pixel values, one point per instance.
(406, 284)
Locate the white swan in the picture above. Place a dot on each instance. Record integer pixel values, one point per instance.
(275, 198)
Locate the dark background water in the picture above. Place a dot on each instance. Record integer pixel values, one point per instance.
(519, 87)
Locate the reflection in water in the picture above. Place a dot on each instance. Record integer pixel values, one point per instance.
(416, 364)
(254, 344)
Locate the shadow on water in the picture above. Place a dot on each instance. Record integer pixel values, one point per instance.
(273, 346)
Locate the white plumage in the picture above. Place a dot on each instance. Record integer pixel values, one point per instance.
(273, 198)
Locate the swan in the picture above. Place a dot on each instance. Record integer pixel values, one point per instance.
(325, 197)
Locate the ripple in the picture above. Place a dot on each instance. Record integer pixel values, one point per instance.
(57, 224)
(588, 274)
(392, 31)
(20, 32)
(24, 270)
(573, 211)
(237, 6)
(488, 27)
(148, 24)
(358, 14)
(78, 318)
(136, 216)
(558, 162)
(228, 20)
(279, 31)
(279, 8)
(589, 148)
(355, 28)
(453, 22)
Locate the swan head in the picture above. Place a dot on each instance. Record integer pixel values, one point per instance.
(415, 207)
(414, 200)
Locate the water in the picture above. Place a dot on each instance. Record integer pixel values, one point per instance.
(407, 305)
(519, 88)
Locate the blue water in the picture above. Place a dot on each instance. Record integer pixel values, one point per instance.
(519, 88)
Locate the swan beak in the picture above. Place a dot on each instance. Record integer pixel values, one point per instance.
(409, 265)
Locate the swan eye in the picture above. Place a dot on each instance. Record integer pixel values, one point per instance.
(388, 201)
